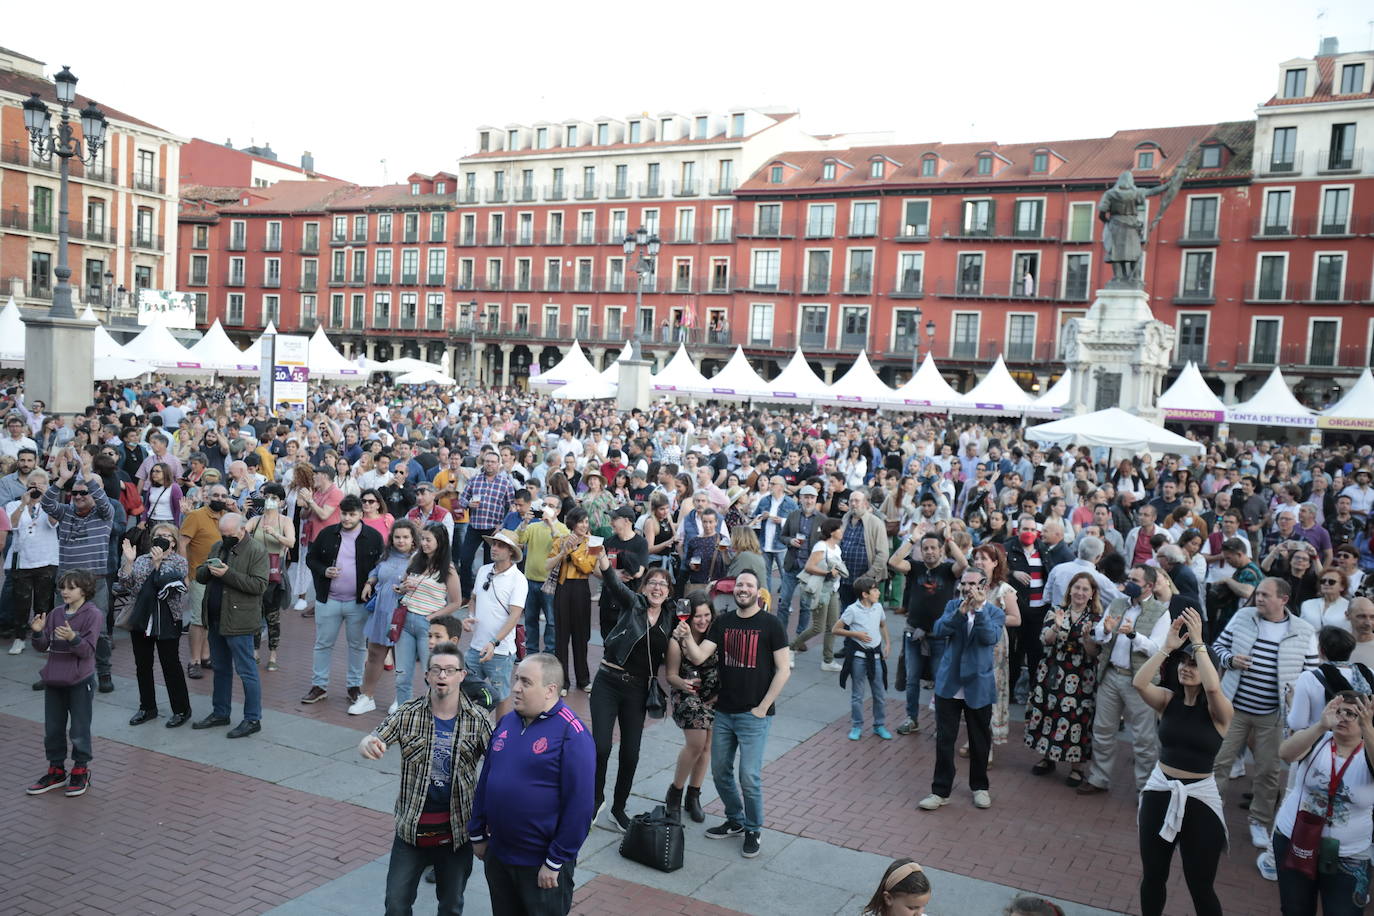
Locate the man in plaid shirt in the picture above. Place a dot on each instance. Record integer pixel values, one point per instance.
(487, 497)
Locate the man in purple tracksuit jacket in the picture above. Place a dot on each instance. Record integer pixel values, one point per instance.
(536, 783)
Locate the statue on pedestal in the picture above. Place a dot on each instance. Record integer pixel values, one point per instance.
(1123, 237)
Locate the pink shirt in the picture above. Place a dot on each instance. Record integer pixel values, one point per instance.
(313, 523)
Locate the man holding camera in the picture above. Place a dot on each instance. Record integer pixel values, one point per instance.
(930, 586)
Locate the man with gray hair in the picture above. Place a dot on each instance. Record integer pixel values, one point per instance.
(1173, 559)
(1089, 553)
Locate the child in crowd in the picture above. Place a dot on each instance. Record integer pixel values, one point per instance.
(864, 627)
(68, 679)
(444, 629)
(904, 891)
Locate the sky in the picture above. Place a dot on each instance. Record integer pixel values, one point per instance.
(378, 91)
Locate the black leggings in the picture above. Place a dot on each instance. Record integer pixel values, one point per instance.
(1200, 842)
(616, 700)
(572, 628)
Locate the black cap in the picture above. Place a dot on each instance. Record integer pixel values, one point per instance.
(626, 513)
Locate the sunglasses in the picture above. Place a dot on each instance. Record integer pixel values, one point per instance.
(1331, 582)
(487, 584)
(81, 492)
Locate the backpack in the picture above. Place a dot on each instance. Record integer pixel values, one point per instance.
(1333, 682)
(130, 499)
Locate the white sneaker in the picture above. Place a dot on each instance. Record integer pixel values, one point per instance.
(1238, 769)
(982, 798)
(606, 820)
(791, 658)
(932, 802)
(300, 605)
(1267, 867)
(831, 666)
(363, 704)
(1259, 836)
(17, 647)
(392, 708)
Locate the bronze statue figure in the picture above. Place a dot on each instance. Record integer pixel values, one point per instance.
(1123, 237)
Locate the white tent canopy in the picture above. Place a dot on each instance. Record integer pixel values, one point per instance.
(1057, 398)
(111, 368)
(927, 388)
(11, 334)
(424, 377)
(736, 380)
(570, 368)
(1355, 410)
(797, 382)
(217, 352)
(1272, 405)
(1189, 399)
(156, 346)
(680, 374)
(1112, 428)
(325, 361)
(996, 393)
(596, 388)
(107, 346)
(861, 386)
(408, 364)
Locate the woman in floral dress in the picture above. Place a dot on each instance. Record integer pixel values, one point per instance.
(992, 560)
(1059, 716)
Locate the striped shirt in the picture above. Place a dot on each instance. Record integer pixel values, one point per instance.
(83, 542)
(1257, 692)
(1036, 572)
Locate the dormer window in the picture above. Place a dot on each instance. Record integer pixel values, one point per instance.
(775, 175)
(930, 167)
(414, 189)
(876, 168)
(828, 171)
(1211, 157)
(483, 141)
(1040, 162)
(1145, 159)
(603, 134)
(634, 131)
(441, 187)
(1352, 79)
(985, 164)
(1295, 83)
(541, 138)
(512, 139)
(570, 135)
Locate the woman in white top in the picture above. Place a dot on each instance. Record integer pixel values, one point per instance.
(824, 562)
(162, 497)
(1328, 608)
(1333, 780)
(855, 468)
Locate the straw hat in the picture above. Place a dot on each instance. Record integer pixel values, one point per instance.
(507, 539)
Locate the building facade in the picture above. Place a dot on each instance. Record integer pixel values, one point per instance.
(123, 208)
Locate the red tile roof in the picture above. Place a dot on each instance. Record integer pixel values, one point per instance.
(22, 85)
(291, 197)
(1323, 91)
(389, 197)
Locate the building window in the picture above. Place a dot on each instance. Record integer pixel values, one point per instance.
(1272, 278)
(1295, 83)
(615, 275)
(603, 134)
(200, 235)
(737, 125)
(930, 167)
(814, 333)
(410, 266)
(271, 309)
(541, 138)
(817, 272)
(40, 275)
(381, 310)
(1077, 270)
(1021, 338)
(770, 219)
(1352, 79)
(434, 311)
(820, 221)
(721, 224)
(1197, 275)
(863, 219)
(1278, 211)
(272, 272)
(651, 183)
(1192, 338)
(682, 275)
(720, 275)
(1264, 341)
(336, 310)
(410, 304)
(1145, 159)
(1202, 217)
(437, 227)
(984, 165)
(237, 271)
(634, 131)
(911, 265)
(360, 266)
(1040, 162)
(441, 187)
(1335, 211)
(648, 218)
(1211, 157)
(1328, 286)
(828, 171)
(340, 233)
(42, 209)
(200, 269)
(761, 324)
(383, 266)
(1030, 218)
(235, 310)
(1342, 152)
(145, 169)
(860, 274)
(415, 189)
(1081, 222)
(622, 180)
(854, 328)
(964, 340)
(775, 175)
(916, 219)
(1283, 153)
(970, 274)
(702, 128)
(586, 227)
(725, 176)
(434, 274)
(978, 217)
(338, 266)
(766, 269)
(1323, 337)
(876, 168)
(686, 229)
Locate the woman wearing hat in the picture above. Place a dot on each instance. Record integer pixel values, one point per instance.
(737, 512)
(598, 502)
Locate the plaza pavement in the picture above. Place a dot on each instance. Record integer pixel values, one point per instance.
(293, 821)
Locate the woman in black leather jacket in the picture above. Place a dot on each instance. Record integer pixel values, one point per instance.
(634, 650)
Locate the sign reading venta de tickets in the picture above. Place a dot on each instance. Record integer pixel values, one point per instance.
(1269, 419)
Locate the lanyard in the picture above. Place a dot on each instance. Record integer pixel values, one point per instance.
(1336, 777)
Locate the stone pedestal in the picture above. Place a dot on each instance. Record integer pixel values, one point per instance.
(634, 385)
(1119, 354)
(59, 363)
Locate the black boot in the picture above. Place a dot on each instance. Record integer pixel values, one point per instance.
(694, 804)
(673, 803)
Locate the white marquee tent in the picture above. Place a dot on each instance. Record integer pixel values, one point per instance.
(1272, 405)
(680, 375)
(215, 351)
(1112, 428)
(11, 336)
(861, 387)
(997, 393)
(1057, 398)
(797, 382)
(927, 388)
(569, 369)
(736, 380)
(156, 346)
(1355, 411)
(326, 362)
(1189, 399)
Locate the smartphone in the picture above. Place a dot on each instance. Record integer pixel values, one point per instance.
(214, 561)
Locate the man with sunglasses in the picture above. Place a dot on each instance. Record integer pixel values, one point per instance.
(444, 735)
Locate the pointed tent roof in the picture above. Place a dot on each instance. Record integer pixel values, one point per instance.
(1189, 398)
(1053, 401)
(1113, 428)
(1272, 405)
(89, 314)
(736, 380)
(156, 346)
(113, 368)
(680, 374)
(797, 382)
(861, 387)
(324, 360)
(1354, 411)
(11, 333)
(107, 346)
(408, 364)
(996, 393)
(570, 368)
(216, 351)
(431, 376)
(927, 388)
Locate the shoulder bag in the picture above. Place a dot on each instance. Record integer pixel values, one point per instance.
(1308, 851)
(655, 701)
(654, 839)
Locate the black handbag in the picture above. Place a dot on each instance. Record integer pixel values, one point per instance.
(654, 839)
(655, 701)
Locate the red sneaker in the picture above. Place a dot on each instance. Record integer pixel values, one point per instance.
(78, 782)
(55, 778)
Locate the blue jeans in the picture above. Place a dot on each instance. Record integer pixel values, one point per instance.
(329, 616)
(239, 649)
(411, 652)
(496, 672)
(918, 666)
(861, 671)
(745, 734)
(472, 542)
(783, 608)
(452, 866)
(1299, 894)
(538, 605)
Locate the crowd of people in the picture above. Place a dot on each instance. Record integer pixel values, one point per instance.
(1217, 604)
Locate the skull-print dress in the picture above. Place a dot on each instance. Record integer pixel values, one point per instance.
(1059, 716)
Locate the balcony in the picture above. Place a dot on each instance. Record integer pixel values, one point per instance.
(584, 284)
(859, 285)
(381, 321)
(199, 278)
(523, 284)
(407, 323)
(309, 322)
(272, 245)
(234, 319)
(551, 284)
(686, 188)
(1285, 164)
(1002, 230)
(466, 238)
(1338, 161)
(383, 236)
(358, 279)
(854, 340)
(496, 196)
(238, 243)
(360, 238)
(586, 192)
(618, 191)
(650, 189)
(463, 284)
(525, 194)
(493, 284)
(586, 237)
(468, 196)
(310, 246)
(435, 238)
(555, 192)
(307, 285)
(1032, 290)
(725, 233)
(147, 241)
(335, 240)
(685, 237)
(816, 286)
(1273, 227)
(1194, 295)
(496, 239)
(410, 237)
(1324, 292)
(271, 282)
(409, 279)
(382, 278)
(434, 323)
(684, 285)
(1202, 234)
(913, 233)
(434, 279)
(777, 286)
(908, 289)
(524, 237)
(102, 234)
(722, 187)
(150, 183)
(766, 229)
(1307, 356)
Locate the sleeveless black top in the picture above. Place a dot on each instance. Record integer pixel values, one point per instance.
(1187, 738)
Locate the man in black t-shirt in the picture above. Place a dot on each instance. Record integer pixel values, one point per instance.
(930, 585)
(753, 670)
